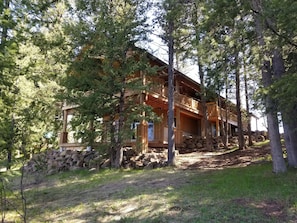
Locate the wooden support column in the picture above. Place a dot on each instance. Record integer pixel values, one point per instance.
(142, 128)
(142, 137)
(63, 134)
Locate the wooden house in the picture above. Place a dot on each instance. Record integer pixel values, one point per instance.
(188, 112)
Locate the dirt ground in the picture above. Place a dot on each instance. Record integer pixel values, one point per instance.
(220, 159)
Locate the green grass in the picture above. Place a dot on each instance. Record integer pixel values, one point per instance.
(261, 144)
(249, 194)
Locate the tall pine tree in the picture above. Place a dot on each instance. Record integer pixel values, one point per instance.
(107, 68)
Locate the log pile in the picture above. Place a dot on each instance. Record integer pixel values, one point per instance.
(54, 161)
(192, 144)
(198, 143)
(152, 159)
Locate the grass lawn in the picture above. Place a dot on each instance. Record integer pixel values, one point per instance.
(247, 194)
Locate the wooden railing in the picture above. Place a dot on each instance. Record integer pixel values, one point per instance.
(231, 117)
(159, 90)
(187, 101)
(214, 112)
(179, 99)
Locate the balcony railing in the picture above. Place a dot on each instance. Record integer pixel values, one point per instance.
(213, 111)
(179, 99)
(187, 101)
(159, 89)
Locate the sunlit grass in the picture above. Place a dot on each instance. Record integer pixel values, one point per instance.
(162, 195)
(261, 144)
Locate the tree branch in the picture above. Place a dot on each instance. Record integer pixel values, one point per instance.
(269, 24)
(271, 28)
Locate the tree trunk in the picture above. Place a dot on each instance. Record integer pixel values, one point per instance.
(248, 115)
(289, 119)
(223, 132)
(171, 136)
(291, 143)
(113, 140)
(238, 104)
(225, 139)
(205, 123)
(91, 138)
(119, 143)
(11, 144)
(279, 164)
(9, 158)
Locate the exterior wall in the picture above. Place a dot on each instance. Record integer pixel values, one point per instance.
(190, 126)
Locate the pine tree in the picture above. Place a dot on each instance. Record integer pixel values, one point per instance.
(282, 32)
(197, 46)
(171, 17)
(279, 165)
(33, 48)
(107, 68)
(8, 52)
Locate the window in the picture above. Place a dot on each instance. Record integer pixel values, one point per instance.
(150, 132)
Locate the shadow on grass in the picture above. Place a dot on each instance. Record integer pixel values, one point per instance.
(251, 194)
(118, 194)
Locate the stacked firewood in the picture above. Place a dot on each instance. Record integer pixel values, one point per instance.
(53, 161)
(149, 160)
(191, 144)
(198, 143)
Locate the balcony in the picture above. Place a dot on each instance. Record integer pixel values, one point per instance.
(215, 113)
(161, 92)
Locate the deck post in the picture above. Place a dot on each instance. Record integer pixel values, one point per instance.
(64, 134)
(142, 137)
(178, 139)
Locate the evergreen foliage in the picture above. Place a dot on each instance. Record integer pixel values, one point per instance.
(30, 68)
(107, 68)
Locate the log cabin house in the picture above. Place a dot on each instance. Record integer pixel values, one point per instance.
(188, 113)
